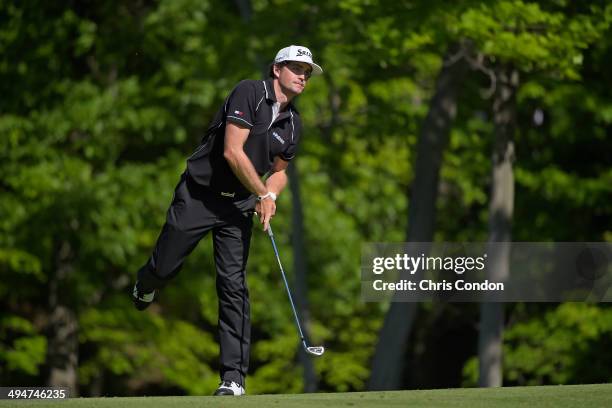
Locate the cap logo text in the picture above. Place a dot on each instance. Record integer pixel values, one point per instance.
(301, 52)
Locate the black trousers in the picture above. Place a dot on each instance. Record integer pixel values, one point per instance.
(196, 210)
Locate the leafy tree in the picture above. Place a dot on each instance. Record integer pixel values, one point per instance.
(102, 102)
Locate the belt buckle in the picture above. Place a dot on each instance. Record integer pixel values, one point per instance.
(227, 194)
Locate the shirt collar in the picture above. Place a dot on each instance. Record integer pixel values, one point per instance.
(269, 85)
(271, 95)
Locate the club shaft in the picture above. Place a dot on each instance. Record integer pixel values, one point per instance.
(297, 320)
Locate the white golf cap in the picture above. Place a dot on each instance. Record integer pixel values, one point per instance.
(298, 53)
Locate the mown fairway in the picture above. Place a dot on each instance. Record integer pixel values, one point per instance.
(550, 396)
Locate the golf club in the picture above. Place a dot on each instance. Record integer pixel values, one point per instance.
(314, 350)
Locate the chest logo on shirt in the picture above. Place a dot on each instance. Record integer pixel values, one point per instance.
(238, 113)
(277, 136)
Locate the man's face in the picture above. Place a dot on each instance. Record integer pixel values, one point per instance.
(293, 76)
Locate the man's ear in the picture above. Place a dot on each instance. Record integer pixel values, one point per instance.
(276, 68)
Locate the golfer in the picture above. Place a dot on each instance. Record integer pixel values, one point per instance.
(252, 137)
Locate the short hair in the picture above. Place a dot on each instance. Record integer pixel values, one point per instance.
(271, 68)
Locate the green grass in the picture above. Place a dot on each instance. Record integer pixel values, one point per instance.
(560, 396)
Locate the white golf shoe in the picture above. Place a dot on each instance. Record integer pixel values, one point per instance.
(229, 388)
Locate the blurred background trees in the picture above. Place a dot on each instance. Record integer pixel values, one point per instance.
(100, 103)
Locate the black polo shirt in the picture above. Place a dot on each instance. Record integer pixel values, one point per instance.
(250, 105)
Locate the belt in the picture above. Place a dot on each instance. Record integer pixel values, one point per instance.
(233, 195)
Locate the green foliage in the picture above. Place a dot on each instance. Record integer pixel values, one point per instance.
(148, 348)
(567, 345)
(533, 37)
(21, 348)
(101, 104)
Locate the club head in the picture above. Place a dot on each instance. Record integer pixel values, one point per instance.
(316, 351)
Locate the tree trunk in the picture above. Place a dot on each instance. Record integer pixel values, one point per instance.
(244, 7)
(388, 362)
(63, 342)
(500, 226)
(297, 238)
(300, 269)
